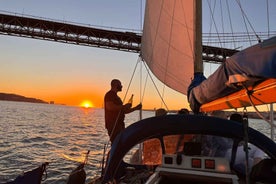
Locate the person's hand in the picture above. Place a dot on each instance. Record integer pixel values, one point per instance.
(127, 106)
(138, 107)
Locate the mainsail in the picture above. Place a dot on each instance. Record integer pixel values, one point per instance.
(168, 42)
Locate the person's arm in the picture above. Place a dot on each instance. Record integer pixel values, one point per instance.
(129, 110)
(126, 108)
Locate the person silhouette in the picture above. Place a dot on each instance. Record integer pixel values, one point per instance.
(115, 110)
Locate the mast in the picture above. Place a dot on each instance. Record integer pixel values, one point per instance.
(198, 63)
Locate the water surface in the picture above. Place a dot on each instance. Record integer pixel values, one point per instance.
(32, 134)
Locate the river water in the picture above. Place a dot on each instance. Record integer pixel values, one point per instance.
(31, 134)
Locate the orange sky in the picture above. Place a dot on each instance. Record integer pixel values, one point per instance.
(69, 74)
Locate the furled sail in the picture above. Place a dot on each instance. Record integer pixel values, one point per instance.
(244, 69)
(167, 42)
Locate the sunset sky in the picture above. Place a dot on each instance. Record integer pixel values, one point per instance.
(70, 74)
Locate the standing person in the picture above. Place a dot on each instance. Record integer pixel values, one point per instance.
(115, 110)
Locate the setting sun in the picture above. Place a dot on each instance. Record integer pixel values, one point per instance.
(86, 104)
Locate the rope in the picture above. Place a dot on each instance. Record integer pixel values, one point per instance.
(130, 82)
(144, 91)
(212, 15)
(249, 94)
(140, 111)
(267, 14)
(156, 87)
(245, 17)
(103, 160)
(245, 146)
(230, 20)
(43, 167)
(222, 22)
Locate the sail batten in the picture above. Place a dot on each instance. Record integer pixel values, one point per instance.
(168, 42)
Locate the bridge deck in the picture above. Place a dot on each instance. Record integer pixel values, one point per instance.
(87, 36)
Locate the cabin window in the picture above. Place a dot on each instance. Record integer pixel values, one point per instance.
(148, 153)
(176, 143)
(152, 152)
(215, 146)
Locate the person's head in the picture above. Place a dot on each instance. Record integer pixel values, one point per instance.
(160, 112)
(183, 111)
(219, 114)
(236, 117)
(116, 85)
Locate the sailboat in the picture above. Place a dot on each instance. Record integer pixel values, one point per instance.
(168, 149)
(171, 150)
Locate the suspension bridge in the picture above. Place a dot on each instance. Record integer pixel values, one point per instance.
(58, 31)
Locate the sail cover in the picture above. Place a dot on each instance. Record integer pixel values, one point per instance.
(167, 42)
(247, 67)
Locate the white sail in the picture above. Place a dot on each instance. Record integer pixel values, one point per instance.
(168, 42)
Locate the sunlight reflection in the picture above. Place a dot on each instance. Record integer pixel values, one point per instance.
(79, 159)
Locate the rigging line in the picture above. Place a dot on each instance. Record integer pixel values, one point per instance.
(249, 93)
(155, 87)
(245, 16)
(141, 16)
(245, 146)
(130, 82)
(143, 94)
(211, 22)
(140, 61)
(267, 14)
(103, 160)
(222, 22)
(140, 111)
(145, 87)
(214, 21)
(163, 92)
(230, 20)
